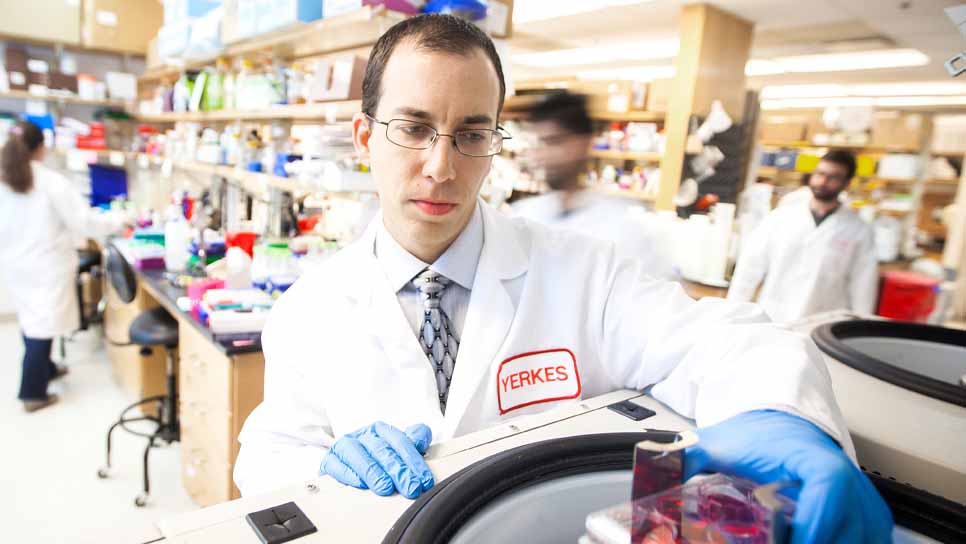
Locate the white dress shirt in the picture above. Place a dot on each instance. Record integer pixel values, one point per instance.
(458, 263)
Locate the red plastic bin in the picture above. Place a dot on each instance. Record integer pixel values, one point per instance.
(907, 296)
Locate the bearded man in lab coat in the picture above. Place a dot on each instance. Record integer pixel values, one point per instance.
(403, 337)
(815, 254)
(563, 129)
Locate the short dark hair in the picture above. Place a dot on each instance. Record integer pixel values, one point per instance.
(431, 32)
(567, 109)
(844, 158)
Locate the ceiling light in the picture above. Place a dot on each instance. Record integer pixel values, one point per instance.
(803, 91)
(911, 101)
(639, 73)
(531, 11)
(926, 88)
(650, 50)
(866, 60)
(763, 67)
(815, 103)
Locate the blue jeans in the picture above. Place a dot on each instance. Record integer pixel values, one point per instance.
(38, 369)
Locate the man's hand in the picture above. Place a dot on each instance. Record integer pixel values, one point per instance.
(836, 502)
(382, 458)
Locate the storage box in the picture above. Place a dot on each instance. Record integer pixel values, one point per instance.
(275, 14)
(337, 78)
(806, 162)
(181, 10)
(780, 128)
(332, 8)
(63, 82)
(173, 39)
(786, 159)
(948, 134)
(15, 63)
(865, 165)
(499, 18)
(658, 94)
(120, 25)
(46, 20)
(898, 130)
(205, 36)
(894, 166)
(229, 23)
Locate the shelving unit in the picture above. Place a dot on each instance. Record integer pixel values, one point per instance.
(799, 144)
(626, 156)
(60, 99)
(330, 112)
(624, 193)
(360, 28)
(630, 116)
(254, 182)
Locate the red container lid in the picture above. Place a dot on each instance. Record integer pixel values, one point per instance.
(909, 279)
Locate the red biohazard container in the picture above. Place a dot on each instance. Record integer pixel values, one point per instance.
(907, 296)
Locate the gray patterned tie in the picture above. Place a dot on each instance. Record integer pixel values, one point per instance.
(437, 336)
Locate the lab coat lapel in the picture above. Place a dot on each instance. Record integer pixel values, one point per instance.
(489, 316)
(378, 310)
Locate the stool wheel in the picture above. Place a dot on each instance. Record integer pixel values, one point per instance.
(103, 473)
(141, 500)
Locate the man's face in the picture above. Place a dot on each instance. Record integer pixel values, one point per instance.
(828, 180)
(428, 196)
(561, 153)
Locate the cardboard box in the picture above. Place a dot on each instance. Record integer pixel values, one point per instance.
(15, 63)
(63, 82)
(45, 20)
(337, 78)
(780, 128)
(120, 25)
(658, 94)
(898, 130)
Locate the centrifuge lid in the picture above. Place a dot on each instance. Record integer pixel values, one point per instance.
(833, 338)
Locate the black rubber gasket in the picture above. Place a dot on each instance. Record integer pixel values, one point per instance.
(921, 511)
(829, 339)
(464, 494)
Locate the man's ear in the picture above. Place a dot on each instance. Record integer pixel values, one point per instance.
(361, 132)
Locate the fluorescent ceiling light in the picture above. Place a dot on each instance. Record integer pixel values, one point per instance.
(927, 88)
(866, 60)
(529, 11)
(762, 67)
(650, 50)
(883, 102)
(802, 91)
(641, 73)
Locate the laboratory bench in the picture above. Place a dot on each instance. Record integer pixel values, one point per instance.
(219, 383)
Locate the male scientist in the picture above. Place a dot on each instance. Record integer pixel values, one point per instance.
(563, 130)
(814, 253)
(409, 334)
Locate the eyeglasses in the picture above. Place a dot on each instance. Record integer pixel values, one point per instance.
(473, 142)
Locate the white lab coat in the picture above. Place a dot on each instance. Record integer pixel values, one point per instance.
(808, 269)
(634, 231)
(38, 255)
(554, 317)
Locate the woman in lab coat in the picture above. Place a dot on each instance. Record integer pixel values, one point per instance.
(40, 215)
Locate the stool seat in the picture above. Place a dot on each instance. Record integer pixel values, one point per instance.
(154, 327)
(88, 259)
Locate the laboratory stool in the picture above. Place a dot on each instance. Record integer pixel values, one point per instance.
(152, 328)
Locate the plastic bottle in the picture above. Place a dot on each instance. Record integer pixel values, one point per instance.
(215, 88)
(239, 266)
(176, 236)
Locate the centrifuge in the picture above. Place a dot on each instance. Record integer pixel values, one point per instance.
(533, 480)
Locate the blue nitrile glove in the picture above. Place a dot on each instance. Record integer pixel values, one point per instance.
(382, 458)
(836, 502)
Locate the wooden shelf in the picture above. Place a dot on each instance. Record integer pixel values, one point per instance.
(867, 148)
(630, 116)
(624, 193)
(360, 28)
(329, 112)
(951, 154)
(625, 155)
(24, 95)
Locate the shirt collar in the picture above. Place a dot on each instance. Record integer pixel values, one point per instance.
(457, 263)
